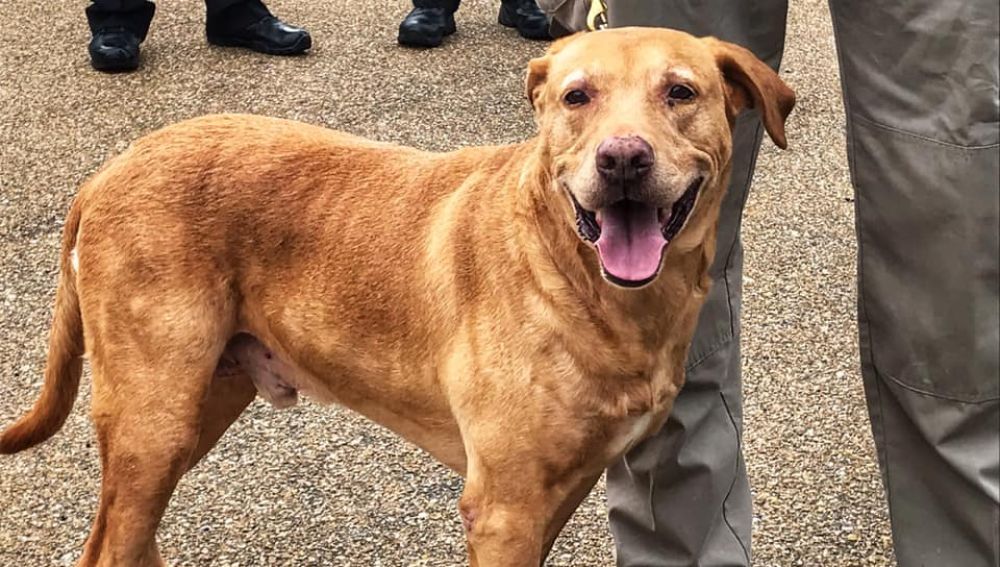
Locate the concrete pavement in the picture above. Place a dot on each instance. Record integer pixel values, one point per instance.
(320, 486)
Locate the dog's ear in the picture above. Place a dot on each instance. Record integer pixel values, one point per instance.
(750, 83)
(538, 70)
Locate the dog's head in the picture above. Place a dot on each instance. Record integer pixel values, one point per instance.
(637, 125)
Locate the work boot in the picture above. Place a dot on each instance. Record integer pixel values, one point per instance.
(526, 16)
(116, 30)
(251, 25)
(428, 23)
(114, 50)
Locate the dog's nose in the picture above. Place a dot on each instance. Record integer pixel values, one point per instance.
(624, 158)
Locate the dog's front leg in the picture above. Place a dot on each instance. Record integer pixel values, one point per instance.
(513, 512)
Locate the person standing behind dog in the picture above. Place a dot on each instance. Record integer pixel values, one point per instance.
(431, 20)
(119, 26)
(920, 82)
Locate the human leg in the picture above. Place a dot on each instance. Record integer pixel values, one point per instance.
(920, 89)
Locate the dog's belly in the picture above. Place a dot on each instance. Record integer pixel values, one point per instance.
(279, 382)
(276, 381)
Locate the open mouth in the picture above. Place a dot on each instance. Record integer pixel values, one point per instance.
(631, 236)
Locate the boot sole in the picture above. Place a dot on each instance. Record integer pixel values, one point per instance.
(116, 66)
(301, 46)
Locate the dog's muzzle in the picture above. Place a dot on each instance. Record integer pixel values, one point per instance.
(631, 236)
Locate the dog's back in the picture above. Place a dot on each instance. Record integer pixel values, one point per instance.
(324, 247)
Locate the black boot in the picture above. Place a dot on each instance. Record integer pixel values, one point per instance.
(428, 23)
(249, 24)
(114, 50)
(117, 29)
(526, 16)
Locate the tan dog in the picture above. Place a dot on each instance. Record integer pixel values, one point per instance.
(521, 312)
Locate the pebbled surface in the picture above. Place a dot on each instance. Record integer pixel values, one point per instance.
(316, 486)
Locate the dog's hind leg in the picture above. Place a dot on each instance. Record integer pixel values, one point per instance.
(149, 394)
(230, 393)
(245, 369)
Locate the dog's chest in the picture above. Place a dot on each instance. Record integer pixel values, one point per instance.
(631, 430)
(649, 406)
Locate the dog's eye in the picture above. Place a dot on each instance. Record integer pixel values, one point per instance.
(576, 97)
(680, 93)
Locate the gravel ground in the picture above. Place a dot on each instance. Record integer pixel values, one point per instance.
(319, 486)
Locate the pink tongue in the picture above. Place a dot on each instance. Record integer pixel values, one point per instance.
(631, 242)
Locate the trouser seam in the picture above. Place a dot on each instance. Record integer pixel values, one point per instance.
(883, 450)
(734, 334)
(905, 386)
(732, 484)
(900, 132)
(712, 350)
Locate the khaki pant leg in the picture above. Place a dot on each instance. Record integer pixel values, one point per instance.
(921, 94)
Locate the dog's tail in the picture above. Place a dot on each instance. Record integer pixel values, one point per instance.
(65, 360)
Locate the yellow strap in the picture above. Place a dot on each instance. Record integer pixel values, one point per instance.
(597, 17)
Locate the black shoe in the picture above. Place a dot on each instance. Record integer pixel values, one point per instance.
(114, 50)
(428, 23)
(268, 35)
(526, 16)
